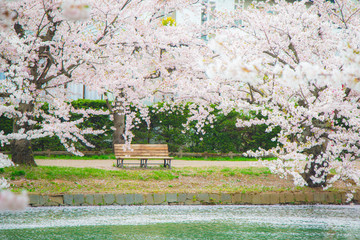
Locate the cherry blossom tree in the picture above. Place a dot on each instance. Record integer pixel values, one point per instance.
(148, 56)
(41, 51)
(118, 47)
(295, 65)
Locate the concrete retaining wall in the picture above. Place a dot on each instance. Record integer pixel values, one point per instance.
(265, 198)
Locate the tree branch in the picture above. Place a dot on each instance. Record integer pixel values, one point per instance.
(62, 72)
(19, 30)
(292, 48)
(278, 58)
(8, 61)
(106, 27)
(4, 95)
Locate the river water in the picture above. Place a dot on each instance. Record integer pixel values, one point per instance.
(183, 222)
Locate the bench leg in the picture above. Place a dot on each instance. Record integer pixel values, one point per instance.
(120, 163)
(143, 163)
(167, 163)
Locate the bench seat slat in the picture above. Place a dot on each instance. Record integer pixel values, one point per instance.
(145, 156)
(142, 151)
(149, 158)
(142, 154)
(144, 146)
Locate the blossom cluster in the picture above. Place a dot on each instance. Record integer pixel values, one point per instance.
(76, 10)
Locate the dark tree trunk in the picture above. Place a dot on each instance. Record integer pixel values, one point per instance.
(119, 121)
(21, 152)
(119, 124)
(312, 170)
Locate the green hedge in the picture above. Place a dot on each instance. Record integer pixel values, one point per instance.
(102, 141)
(166, 127)
(223, 137)
(6, 125)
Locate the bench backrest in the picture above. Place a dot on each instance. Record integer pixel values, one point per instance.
(141, 150)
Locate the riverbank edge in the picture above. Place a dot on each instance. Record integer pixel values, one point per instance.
(249, 198)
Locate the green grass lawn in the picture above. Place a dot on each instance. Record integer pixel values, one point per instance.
(73, 174)
(58, 180)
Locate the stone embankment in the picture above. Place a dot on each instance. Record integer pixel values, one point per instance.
(267, 198)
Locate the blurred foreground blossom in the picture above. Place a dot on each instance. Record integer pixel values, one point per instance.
(9, 200)
(7, 16)
(76, 10)
(12, 201)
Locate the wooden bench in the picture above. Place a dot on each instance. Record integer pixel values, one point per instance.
(142, 152)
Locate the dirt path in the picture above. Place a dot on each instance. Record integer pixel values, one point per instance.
(109, 164)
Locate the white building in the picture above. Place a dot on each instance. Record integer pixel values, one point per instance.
(202, 11)
(80, 91)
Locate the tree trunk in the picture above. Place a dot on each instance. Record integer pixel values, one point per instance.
(119, 124)
(119, 120)
(312, 170)
(21, 152)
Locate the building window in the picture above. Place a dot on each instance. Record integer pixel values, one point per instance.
(239, 4)
(208, 7)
